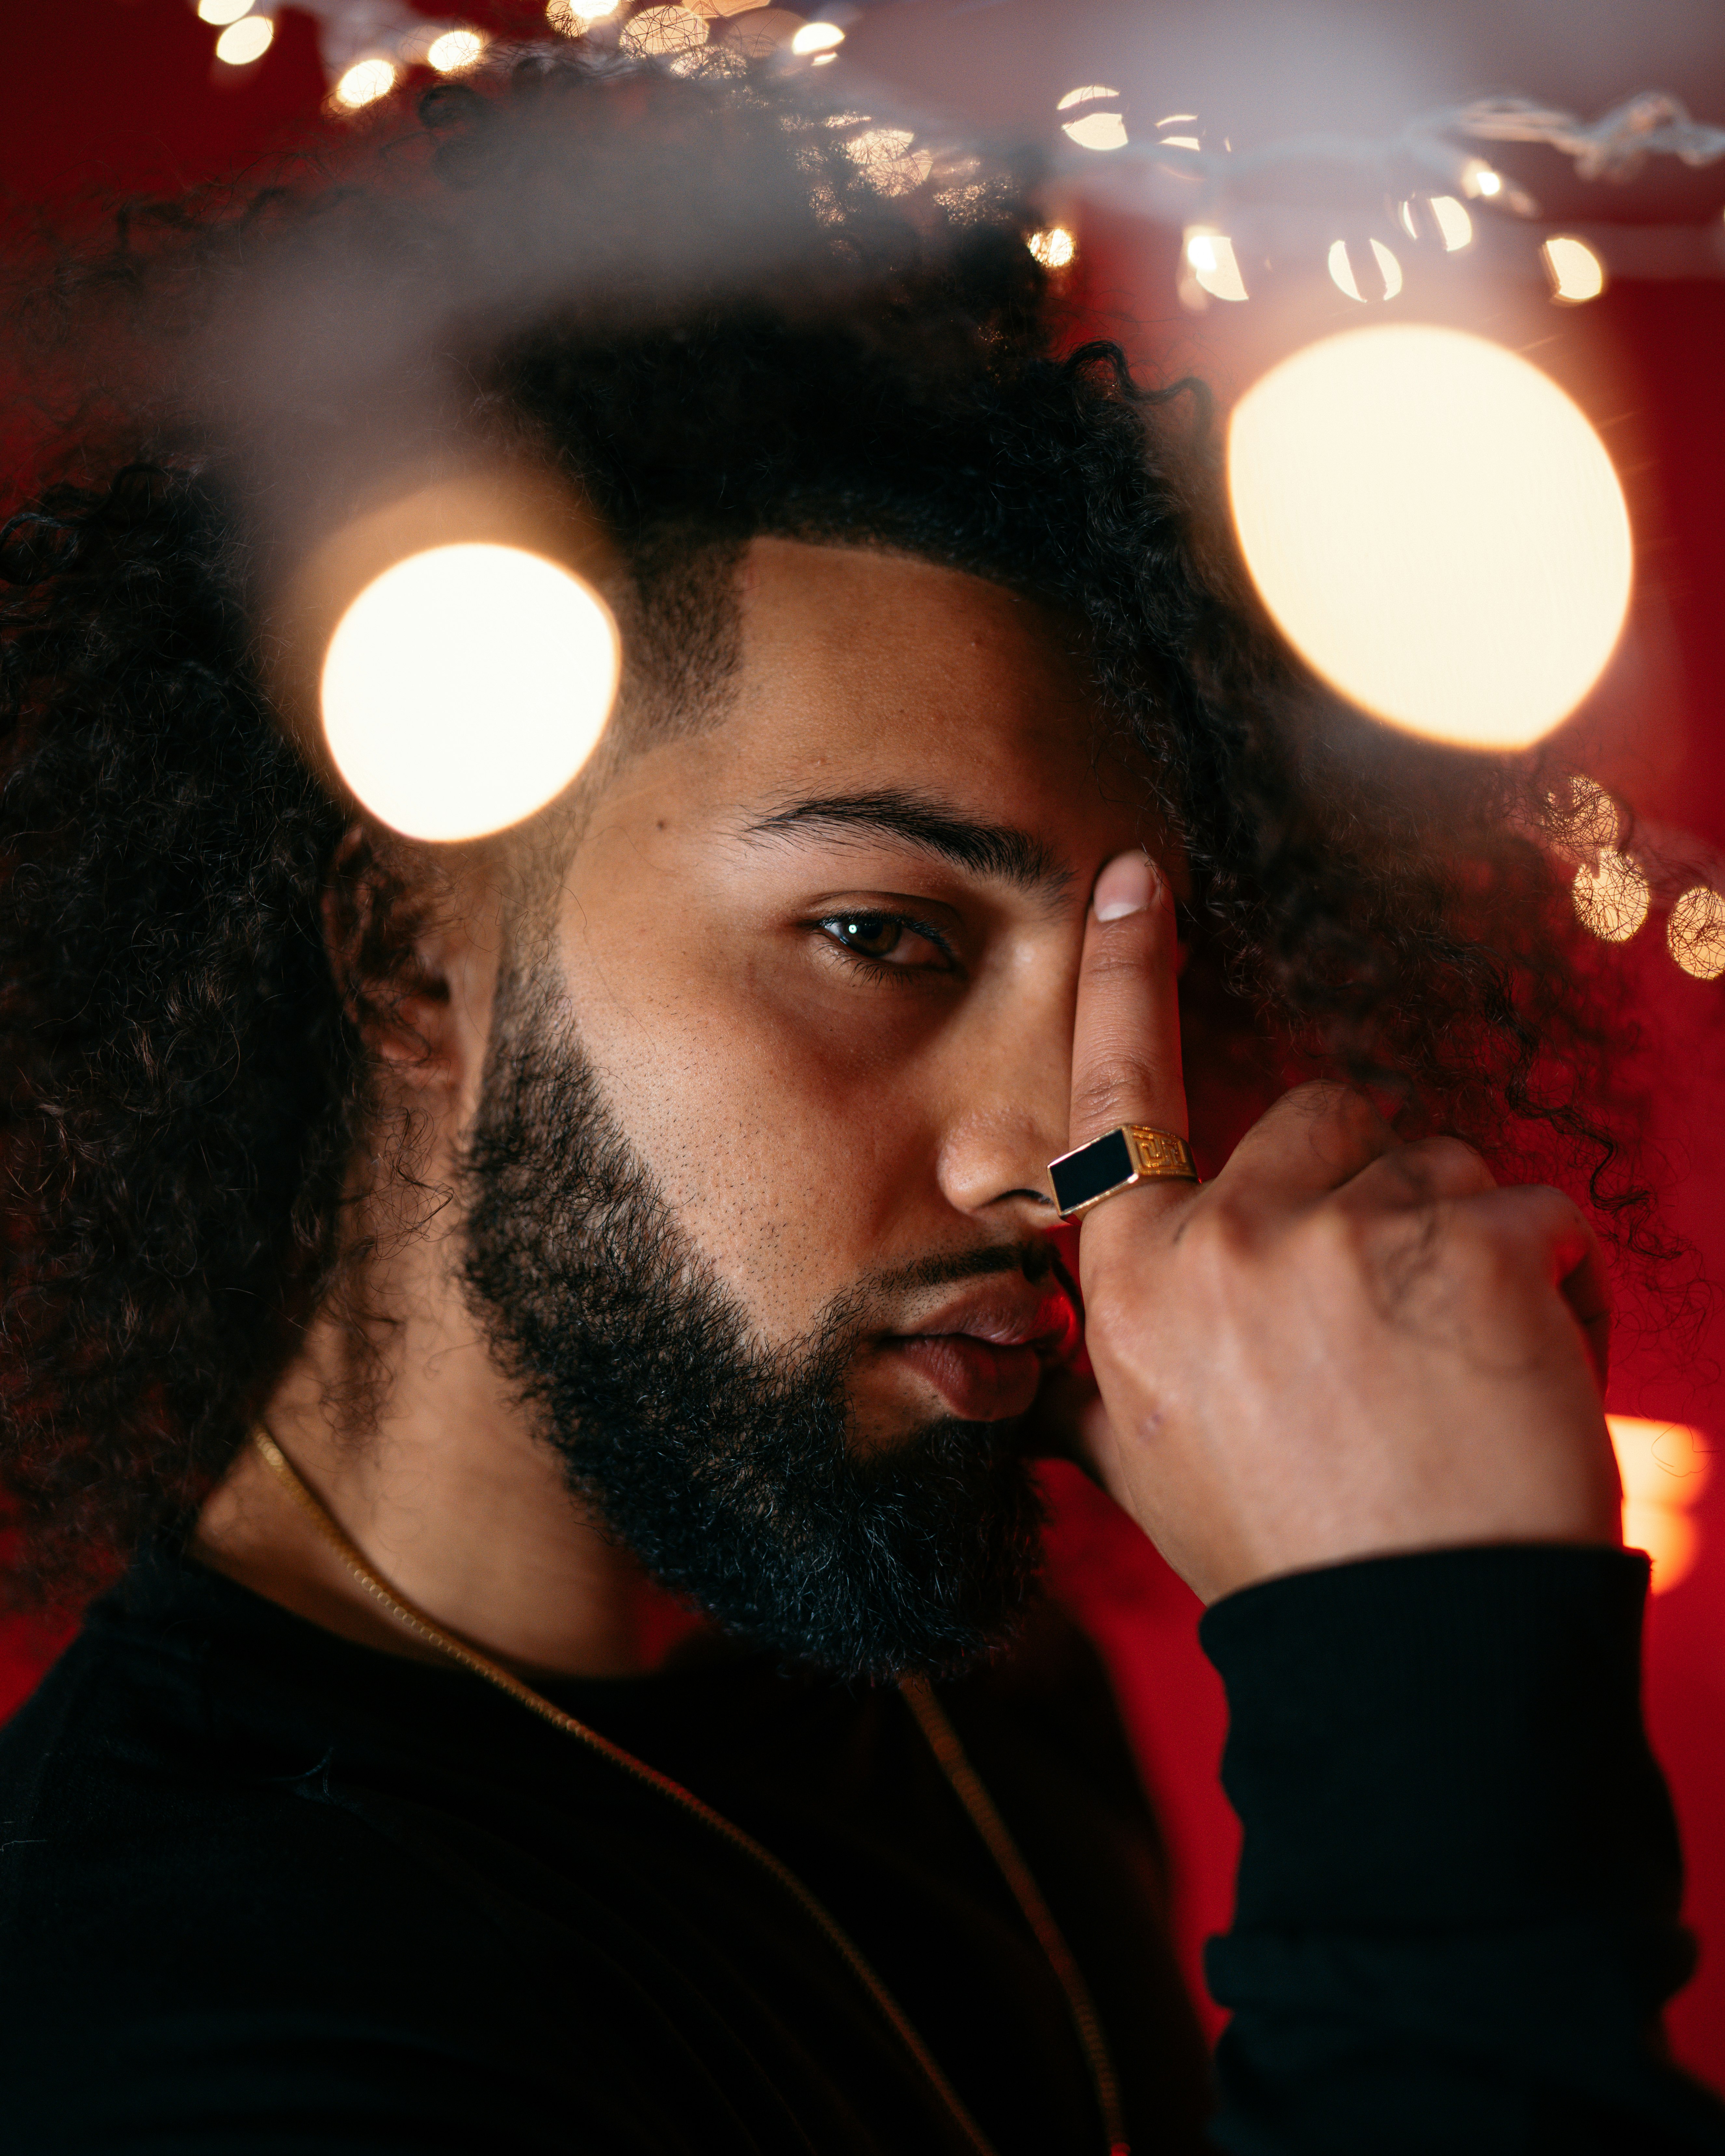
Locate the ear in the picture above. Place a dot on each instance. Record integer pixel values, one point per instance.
(412, 938)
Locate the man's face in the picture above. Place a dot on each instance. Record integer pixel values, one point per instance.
(761, 1176)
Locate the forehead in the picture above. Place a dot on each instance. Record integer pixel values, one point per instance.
(875, 664)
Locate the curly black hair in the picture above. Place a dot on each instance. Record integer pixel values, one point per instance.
(713, 309)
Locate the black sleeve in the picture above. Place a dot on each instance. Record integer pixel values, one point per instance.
(1457, 1912)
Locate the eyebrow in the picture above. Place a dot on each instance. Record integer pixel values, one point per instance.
(1000, 851)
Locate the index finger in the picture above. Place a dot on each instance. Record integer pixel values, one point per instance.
(1126, 1036)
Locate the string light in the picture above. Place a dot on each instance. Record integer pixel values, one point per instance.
(1233, 190)
(1455, 227)
(891, 166)
(1694, 932)
(364, 83)
(456, 50)
(1576, 272)
(245, 41)
(1209, 256)
(1435, 527)
(1053, 249)
(1587, 820)
(1611, 899)
(1093, 130)
(465, 687)
(1341, 272)
(1663, 1467)
(664, 33)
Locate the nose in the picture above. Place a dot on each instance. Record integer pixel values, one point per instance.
(1008, 1091)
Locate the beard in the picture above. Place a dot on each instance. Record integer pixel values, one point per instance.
(727, 1467)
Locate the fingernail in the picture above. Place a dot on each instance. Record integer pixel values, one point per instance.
(1127, 885)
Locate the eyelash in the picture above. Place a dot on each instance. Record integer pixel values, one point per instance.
(902, 977)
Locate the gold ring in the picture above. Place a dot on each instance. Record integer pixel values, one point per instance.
(1132, 1153)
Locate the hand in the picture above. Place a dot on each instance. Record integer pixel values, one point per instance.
(1342, 1347)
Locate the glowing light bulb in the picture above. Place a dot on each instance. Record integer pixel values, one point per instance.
(1435, 527)
(1209, 256)
(455, 50)
(1611, 900)
(816, 37)
(465, 687)
(223, 11)
(1694, 932)
(245, 41)
(1053, 249)
(1663, 1467)
(364, 83)
(1576, 272)
(1478, 178)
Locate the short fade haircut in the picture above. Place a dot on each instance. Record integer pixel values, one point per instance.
(715, 310)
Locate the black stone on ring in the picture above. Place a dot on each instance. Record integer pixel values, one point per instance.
(1132, 1153)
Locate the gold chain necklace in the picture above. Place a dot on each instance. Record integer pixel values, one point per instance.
(942, 1740)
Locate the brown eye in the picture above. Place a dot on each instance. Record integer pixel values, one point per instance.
(870, 935)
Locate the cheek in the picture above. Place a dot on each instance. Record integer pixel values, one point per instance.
(793, 1149)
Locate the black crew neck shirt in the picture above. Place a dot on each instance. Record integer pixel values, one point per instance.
(264, 1891)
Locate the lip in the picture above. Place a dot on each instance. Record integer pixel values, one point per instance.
(985, 1354)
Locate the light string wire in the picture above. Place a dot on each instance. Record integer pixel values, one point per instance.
(942, 1741)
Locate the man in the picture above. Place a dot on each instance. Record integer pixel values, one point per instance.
(559, 1325)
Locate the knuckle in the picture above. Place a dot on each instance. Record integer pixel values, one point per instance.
(1456, 1161)
(1223, 1229)
(1117, 959)
(1112, 1082)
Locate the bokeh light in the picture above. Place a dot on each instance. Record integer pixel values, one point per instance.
(888, 159)
(1053, 249)
(1436, 528)
(665, 32)
(1585, 815)
(816, 37)
(1576, 272)
(1448, 218)
(1663, 1466)
(1387, 282)
(1694, 932)
(245, 41)
(1211, 257)
(465, 686)
(1092, 131)
(1611, 900)
(364, 83)
(223, 11)
(455, 50)
(1097, 131)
